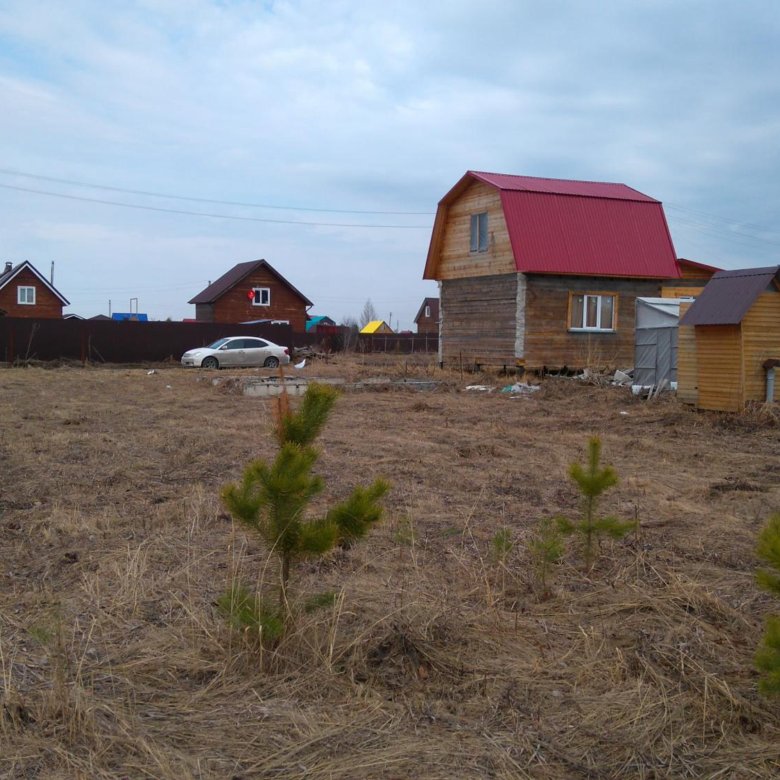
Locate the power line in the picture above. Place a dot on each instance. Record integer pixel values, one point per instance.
(713, 225)
(11, 172)
(208, 215)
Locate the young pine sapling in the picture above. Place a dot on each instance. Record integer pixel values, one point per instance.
(768, 655)
(546, 548)
(592, 481)
(272, 498)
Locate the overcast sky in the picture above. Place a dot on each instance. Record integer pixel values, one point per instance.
(317, 112)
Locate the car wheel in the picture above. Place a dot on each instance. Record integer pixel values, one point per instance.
(210, 362)
(271, 362)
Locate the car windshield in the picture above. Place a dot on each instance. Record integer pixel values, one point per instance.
(218, 343)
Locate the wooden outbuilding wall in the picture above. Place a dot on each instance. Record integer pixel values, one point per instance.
(687, 371)
(721, 367)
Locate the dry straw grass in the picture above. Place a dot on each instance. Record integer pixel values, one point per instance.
(434, 660)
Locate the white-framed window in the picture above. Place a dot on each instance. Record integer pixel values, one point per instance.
(479, 232)
(427, 311)
(25, 296)
(592, 311)
(262, 296)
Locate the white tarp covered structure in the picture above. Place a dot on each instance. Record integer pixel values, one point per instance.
(655, 344)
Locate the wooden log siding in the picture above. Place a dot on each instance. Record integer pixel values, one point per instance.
(760, 341)
(548, 342)
(478, 323)
(687, 372)
(719, 361)
(455, 259)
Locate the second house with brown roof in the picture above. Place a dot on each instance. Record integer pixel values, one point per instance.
(252, 291)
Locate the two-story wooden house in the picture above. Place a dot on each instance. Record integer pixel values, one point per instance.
(545, 272)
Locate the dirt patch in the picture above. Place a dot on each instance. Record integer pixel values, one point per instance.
(435, 660)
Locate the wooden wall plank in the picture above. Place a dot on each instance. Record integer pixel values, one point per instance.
(687, 373)
(719, 367)
(760, 341)
(477, 320)
(455, 259)
(548, 340)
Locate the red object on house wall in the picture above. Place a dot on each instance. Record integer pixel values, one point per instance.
(252, 291)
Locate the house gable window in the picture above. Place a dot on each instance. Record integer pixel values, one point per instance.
(592, 311)
(25, 296)
(427, 311)
(479, 232)
(262, 296)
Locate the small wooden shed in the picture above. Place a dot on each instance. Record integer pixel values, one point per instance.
(735, 325)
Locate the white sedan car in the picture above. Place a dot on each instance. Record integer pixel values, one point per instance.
(237, 352)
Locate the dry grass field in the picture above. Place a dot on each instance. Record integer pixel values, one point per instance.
(435, 660)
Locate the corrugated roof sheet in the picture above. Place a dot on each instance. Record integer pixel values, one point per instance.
(728, 296)
(586, 189)
(563, 226)
(238, 272)
(588, 236)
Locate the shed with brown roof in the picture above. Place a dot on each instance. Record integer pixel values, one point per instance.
(726, 337)
(249, 292)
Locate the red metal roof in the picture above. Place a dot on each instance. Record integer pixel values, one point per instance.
(728, 296)
(585, 189)
(560, 226)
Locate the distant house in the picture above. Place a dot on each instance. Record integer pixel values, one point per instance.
(249, 292)
(316, 321)
(427, 319)
(730, 341)
(545, 272)
(376, 327)
(24, 292)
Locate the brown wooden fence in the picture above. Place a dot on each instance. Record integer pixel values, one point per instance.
(401, 343)
(107, 341)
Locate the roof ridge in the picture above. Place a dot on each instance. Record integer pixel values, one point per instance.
(552, 178)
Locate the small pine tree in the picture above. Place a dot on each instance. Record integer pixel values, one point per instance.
(271, 499)
(546, 548)
(768, 655)
(592, 481)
